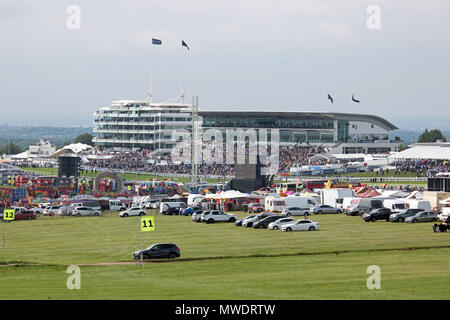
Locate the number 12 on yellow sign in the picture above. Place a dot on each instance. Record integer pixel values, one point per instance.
(148, 223)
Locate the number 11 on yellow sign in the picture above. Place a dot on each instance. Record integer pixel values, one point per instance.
(148, 223)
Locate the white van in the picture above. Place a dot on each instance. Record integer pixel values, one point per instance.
(301, 202)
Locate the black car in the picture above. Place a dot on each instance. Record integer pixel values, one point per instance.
(264, 223)
(377, 214)
(172, 211)
(159, 251)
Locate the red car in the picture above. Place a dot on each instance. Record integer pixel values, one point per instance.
(25, 215)
(255, 207)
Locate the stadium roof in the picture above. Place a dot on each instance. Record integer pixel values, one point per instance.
(421, 151)
(376, 120)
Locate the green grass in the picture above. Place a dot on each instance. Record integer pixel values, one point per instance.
(222, 261)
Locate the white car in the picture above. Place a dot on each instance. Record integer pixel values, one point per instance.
(301, 225)
(133, 211)
(276, 225)
(86, 211)
(443, 216)
(65, 211)
(217, 216)
(196, 216)
(51, 210)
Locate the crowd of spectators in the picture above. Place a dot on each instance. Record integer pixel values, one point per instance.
(421, 168)
(142, 161)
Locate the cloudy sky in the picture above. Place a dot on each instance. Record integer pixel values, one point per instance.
(244, 55)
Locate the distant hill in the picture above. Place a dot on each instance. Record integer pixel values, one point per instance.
(24, 136)
(410, 137)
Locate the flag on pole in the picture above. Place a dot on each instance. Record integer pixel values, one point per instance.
(330, 98)
(354, 100)
(156, 41)
(184, 44)
(328, 184)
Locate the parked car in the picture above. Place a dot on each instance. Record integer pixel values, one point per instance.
(19, 209)
(443, 216)
(377, 214)
(294, 211)
(190, 211)
(171, 208)
(133, 211)
(159, 251)
(51, 210)
(249, 222)
(301, 225)
(65, 211)
(364, 206)
(424, 216)
(38, 210)
(25, 215)
(238, 223)
(152, 204)
(276, 225)
(255, 208)
(325, 208)
(217, 216)
(264, 223)
(403, 214)
(196, 216)
(86, 211)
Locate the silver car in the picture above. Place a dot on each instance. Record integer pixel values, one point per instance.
(295, 211)
(86, 211)
(325, 209)
(428, 216)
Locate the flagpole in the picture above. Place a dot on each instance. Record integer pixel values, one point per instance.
(150, 96)
(182, 74)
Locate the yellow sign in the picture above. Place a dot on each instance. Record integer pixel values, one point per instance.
(8, 214)
(148, 223)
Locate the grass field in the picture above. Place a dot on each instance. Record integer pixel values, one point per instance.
(222, 261)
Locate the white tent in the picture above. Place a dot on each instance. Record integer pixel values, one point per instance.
(421, 151)
(72, 148)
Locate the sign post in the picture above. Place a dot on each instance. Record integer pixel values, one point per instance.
(8, 215)
(147, 224)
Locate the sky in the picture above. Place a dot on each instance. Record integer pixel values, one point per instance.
(282, 55)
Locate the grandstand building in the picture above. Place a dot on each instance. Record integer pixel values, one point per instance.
(139, 125)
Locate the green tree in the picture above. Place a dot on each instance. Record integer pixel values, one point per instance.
(431, 136)
(10, 148)
(85, 138)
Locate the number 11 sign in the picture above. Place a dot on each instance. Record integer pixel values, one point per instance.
(148, 223)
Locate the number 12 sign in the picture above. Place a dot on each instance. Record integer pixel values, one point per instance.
(8, 214)
(148, 223)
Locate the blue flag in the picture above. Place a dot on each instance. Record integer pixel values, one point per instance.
(156, 41)
(184, 44)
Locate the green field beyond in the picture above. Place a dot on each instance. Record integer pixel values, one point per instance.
(222, 261)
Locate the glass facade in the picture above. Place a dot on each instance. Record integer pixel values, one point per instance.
(292, 131)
